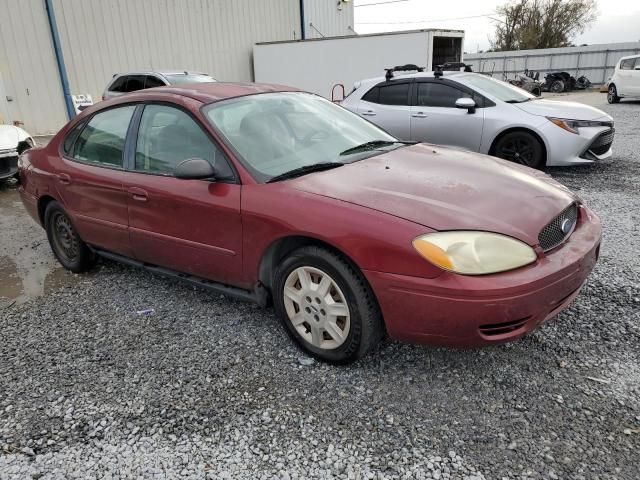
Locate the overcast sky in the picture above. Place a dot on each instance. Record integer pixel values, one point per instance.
(618, 20)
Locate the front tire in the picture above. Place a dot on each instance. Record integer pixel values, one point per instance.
(326, 305)
(521, 147)
(72, 253)
(612, 94)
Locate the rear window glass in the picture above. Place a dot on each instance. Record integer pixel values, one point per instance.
(371, 95)
(118, 84)
(152, 82)
(627, 64)
(393, 94)
(71, 137)
(135, 83)
(102, 140)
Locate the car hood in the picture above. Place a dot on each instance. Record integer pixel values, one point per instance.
(560, 109)
(9, 137)
(447, 189)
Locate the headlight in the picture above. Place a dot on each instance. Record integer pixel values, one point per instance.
(573, 125)
(474, 253)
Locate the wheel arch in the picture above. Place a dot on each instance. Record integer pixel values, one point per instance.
(43, 202)
(283, 246)
(520, 129)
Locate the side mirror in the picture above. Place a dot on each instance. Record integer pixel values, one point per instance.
(467, 103)
(194, 169)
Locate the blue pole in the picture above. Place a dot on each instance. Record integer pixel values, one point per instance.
(302, 22)
(57, 47)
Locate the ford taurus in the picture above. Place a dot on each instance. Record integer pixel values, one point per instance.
(280, 196)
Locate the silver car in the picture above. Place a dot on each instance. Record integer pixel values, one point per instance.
(122, 83)
(485, 115)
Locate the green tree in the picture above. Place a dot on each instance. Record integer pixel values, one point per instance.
(541, 23)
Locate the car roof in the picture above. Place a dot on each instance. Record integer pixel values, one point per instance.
(160, 72)
(208, 92)
(403, 76)
(629, 56)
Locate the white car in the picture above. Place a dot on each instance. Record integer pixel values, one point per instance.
(13, 141)
(484, 115)
(625, 82)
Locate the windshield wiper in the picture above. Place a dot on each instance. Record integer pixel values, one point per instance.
(518, 101)
(296, 172)
(372, 145)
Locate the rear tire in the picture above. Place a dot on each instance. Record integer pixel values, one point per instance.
(522, 148)
(612, 94)
(72, 253)
(326, 305)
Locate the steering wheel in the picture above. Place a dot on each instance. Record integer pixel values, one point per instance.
(315, 136)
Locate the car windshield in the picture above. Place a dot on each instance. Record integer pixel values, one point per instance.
(497, 89)
(178, 78)
(276, 133)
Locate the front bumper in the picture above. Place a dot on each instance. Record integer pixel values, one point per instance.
(566, 148)
(466, 311)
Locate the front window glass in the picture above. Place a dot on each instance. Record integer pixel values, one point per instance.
(167, 136)
(179, 78)
(102, 140)
(275, 133)
(497, 89)
(439, 95)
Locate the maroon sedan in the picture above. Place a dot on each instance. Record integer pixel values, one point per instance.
(276, 195)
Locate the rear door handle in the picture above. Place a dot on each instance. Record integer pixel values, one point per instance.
(369, 113)
(64, 178)
(138, 194)
(419, 115)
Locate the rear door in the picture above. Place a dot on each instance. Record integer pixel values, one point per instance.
(91, 175)
(435, 118)
(624, 82)
(192, 226)
(635, 79)
(387, 105)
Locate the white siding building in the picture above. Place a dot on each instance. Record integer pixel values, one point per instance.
(99, 38)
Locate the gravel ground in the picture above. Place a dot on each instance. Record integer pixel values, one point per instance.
(207, 387)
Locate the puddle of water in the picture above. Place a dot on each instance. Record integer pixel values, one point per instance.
(27, 266)
(10, 283)
(19, 287)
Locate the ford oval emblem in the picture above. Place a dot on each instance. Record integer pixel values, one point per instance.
(566, 226)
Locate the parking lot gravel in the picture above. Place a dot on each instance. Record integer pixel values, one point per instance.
(203, 386)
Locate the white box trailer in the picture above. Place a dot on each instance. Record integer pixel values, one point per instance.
(317, 65)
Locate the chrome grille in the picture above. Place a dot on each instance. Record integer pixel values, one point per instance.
(553, 234)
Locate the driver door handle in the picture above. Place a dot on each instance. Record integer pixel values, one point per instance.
(138, 194)
(369, 113)
(419, 115)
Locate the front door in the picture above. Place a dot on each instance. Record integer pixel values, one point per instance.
(90, 178)
(435, 118)
(192, 226)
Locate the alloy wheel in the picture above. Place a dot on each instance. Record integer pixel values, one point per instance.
(518, 150)
(317, 307)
